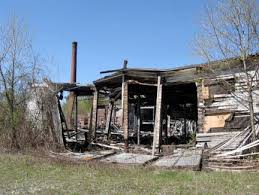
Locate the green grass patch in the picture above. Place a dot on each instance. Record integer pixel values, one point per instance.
(24, 174)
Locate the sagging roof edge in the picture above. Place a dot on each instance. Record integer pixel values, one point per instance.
(71, 87)
(119, 72)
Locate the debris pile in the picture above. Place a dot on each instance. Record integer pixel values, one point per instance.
(236, 153)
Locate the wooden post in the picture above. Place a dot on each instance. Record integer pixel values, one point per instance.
(114, 115)
(200, 106)
(105, 113)
(70, 106)
(184, 125)
(125, 106)
(168, 125)
(76, 116)
(90, 118)
(108, 119)
(138, 122)
(157, 127)
(94, 115)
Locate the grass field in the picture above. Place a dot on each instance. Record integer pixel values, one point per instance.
(24, 174)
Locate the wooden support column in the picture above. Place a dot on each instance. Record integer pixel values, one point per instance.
(70, 106)
(125, 108)
(90, 118)
(108, 119)
(168, 125)
(138, 122)
(94, 115)
(114, 115)
(157, 127)
(200, 105)
(76, 116)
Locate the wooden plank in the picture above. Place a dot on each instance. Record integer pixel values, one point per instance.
(70, 106)
(168, 126)
(76, 116)
(114, 121)
(94, 114)
(187, 159)
(200, 106)
(138, 122)
(90, 118)
(125, 113)
(140, 83)
(109, 118)
(157, 127)
(108, 146)
(129, 159)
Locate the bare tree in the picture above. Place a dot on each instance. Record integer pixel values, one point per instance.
(18, 68)
(230, 36)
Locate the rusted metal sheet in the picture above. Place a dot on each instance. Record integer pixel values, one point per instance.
(73, 63)
(72, 95)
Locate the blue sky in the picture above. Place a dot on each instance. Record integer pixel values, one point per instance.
(149, 33)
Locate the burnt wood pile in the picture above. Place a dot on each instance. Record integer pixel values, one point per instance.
(148, 108)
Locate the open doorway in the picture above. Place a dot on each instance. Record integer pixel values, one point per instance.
(180, 113)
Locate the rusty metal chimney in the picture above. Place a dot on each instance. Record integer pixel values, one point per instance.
(125, 64)
(73, 63)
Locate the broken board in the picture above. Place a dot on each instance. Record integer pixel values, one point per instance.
(190, 159)
(129, 159)
(92, 155)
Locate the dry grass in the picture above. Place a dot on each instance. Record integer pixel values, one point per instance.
(24, 174)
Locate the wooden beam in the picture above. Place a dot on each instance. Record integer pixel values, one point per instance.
(157, 127)
(90, 118)
(140, 83)
(200, 105)
(114, 121)
(125, 105)
(76, 116)
(138, 121)
(110, 71)
(168, 125)
(70, 106)
(108, 119)
(94, 115)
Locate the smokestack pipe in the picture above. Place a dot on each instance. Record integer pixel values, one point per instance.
(73, 63)
(125, 64)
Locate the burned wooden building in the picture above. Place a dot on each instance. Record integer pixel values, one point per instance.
(159, 107)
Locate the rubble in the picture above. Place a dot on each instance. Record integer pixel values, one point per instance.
(148, 112)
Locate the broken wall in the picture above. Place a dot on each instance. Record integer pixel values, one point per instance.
(43, 112)
(220, 109)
